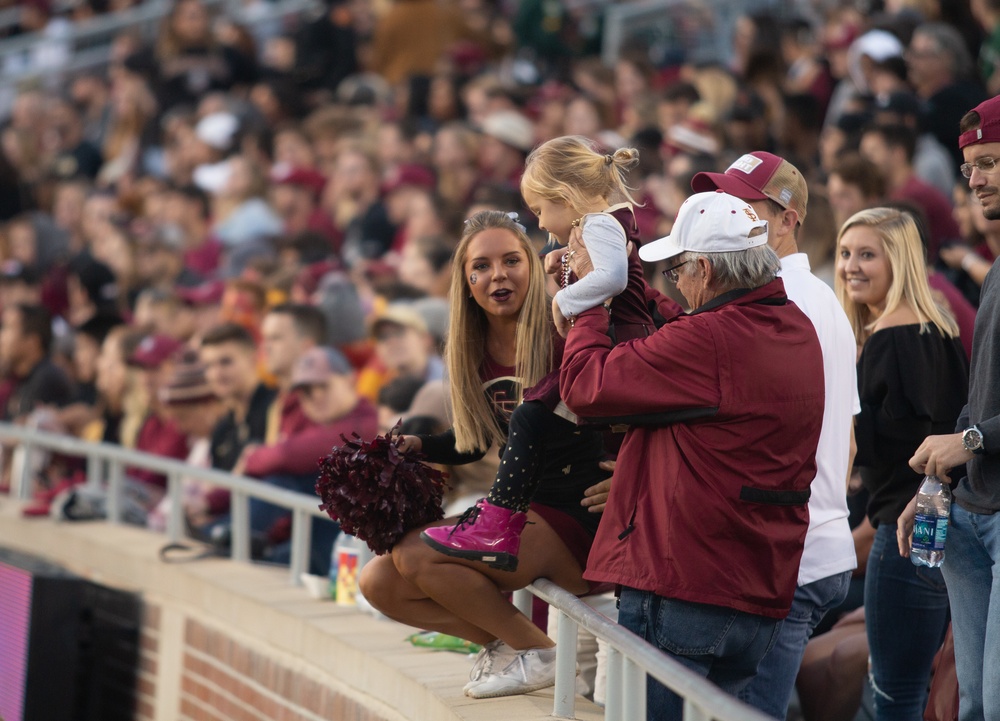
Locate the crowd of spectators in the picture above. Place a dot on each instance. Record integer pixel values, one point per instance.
(234, 243)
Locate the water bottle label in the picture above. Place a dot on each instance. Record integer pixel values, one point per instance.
(929, 532)
(347, 576)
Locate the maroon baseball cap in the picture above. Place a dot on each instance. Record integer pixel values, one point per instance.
(989, 124)
(153, 350)
(759, 176)
(409, 174)
(208, 293)
(301, 177)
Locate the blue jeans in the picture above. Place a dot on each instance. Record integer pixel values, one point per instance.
(906, 615)
(323, 534)
(720, 644)
(972, 570)
(771, 689)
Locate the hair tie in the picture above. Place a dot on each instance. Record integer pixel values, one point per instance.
(609, 159)
(513, 216)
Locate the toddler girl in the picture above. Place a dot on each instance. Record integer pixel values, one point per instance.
(567, 184)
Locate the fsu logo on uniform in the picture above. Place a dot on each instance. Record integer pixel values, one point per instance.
(503, 392)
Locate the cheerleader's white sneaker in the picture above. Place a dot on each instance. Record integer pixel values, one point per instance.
(524, 672)
(494, 653)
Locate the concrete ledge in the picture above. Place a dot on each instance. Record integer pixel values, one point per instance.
(317, 647)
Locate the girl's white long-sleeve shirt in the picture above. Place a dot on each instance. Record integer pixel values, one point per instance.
(607, 246)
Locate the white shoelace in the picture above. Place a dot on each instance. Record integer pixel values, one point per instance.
(487, 657)
(476, 672)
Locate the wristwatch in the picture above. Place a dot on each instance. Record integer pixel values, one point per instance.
(972, 439)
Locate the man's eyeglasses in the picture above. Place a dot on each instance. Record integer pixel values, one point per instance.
(983, 165)
(671, 272)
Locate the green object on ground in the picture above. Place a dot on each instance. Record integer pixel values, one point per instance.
(443, 642)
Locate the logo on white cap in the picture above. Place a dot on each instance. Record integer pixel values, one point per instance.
(747, 164)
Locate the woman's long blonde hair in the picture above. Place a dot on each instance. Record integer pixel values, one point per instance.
(570, 170)
(475, 423)
(901, 240)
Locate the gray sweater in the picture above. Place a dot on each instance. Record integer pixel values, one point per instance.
(980, 491)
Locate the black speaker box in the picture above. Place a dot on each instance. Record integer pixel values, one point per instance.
(69, 648)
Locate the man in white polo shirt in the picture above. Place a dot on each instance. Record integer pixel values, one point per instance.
(778, 192)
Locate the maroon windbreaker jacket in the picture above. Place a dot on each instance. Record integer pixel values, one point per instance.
(708, 506)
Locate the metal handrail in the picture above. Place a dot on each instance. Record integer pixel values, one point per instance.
(89, 41)
(303, 507)
(656, 21)
(102, 26)
(630, 658)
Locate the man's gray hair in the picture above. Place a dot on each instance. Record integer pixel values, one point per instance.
(950, 41)
(749, 268)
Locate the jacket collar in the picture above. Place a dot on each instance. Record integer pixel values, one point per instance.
(772, 293)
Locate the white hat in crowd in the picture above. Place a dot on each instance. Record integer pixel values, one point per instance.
(217, 130)
(713, 222)
(510, 128)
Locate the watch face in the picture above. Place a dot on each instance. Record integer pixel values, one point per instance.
(972, 439)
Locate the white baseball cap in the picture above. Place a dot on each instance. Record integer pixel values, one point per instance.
(713, 222)
(217, 130)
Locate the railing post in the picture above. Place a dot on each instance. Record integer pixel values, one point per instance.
(301, 540)
(26, 481)
(522, 601)
(694, 713)
(175, 520)
(564, 704)
(116, 488)
(613, 701)
(634, 682)
(94, 467)
(239, 509)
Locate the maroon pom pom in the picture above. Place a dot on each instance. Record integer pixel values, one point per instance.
(377, 492)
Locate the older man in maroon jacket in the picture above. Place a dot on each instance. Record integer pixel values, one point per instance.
(705, 522)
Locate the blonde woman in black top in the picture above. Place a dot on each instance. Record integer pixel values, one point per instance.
(912, 380)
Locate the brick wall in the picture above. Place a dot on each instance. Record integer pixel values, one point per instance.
(149, 650)
(225, 680)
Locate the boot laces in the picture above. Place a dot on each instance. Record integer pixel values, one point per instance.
(468, 518)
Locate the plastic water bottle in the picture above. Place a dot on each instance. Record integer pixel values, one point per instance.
(930, 527)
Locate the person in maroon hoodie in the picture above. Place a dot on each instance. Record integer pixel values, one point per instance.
(324, 382)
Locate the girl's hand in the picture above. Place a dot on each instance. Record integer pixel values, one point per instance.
(562, 324)
(410, 443)
(553, 261)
